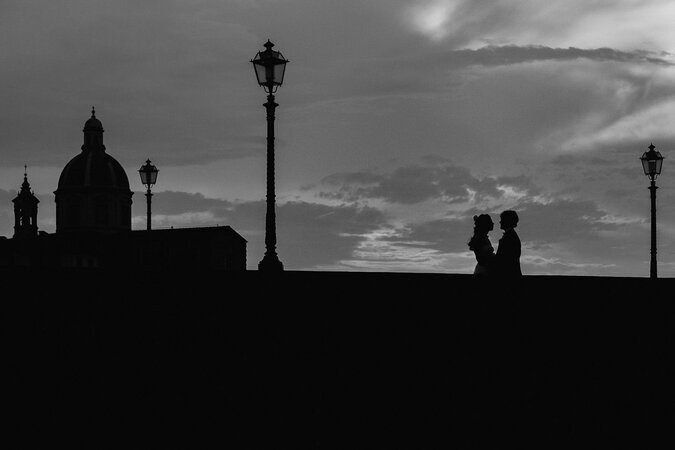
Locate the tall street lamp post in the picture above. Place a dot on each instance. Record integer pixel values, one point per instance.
(270, 66)
(148, 174)
(651, 164)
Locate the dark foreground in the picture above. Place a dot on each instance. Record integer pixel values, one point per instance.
(335, 361)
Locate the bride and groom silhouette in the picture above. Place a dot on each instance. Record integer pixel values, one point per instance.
(504, 263)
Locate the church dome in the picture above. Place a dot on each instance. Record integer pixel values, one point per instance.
(93, 192)
(93, 169)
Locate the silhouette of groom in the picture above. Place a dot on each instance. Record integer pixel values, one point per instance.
(508, 252)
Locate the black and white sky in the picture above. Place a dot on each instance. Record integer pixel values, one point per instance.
(398, 121)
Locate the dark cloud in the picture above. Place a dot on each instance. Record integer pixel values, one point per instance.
(417, 183)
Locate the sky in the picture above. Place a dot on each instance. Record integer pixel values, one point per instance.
(398, 121)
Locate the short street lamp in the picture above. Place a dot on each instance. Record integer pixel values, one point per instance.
(651, 164)
(148, 174)
(270, 66)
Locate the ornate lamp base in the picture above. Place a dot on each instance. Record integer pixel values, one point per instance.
(270, 263)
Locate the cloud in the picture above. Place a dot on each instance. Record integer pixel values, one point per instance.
(497, 109)
(648, 123)
(466, 23)
(170, 203)
(513, 54)
(412, 184)
(406, 185)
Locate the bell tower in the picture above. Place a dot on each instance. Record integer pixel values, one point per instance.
(25, 210)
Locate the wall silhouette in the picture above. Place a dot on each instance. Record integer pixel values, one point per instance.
(335, 360)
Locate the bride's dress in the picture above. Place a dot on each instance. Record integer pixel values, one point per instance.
(485, 255)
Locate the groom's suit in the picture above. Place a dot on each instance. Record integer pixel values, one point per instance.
(508, 255)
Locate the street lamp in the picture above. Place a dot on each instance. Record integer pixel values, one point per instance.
(270, 66)
(651, 164)
(148, 174)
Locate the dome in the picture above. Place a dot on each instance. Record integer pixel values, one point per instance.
(95, 170)
(93, 192)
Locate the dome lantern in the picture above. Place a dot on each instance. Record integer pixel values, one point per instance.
(93, 133)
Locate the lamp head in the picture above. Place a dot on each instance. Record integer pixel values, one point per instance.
(652, 162)
(148, 174)
(270, 67)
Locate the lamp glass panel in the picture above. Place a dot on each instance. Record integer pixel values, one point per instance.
(144, 177)
(148, 174)
(279, 71)
(645, 164)
(260, 73)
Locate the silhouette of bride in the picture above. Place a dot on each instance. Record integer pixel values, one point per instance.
(481, 246)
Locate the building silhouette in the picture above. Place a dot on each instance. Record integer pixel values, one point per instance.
(93, 224)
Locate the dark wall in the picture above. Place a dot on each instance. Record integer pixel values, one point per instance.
(205, 248)
(336, 360)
